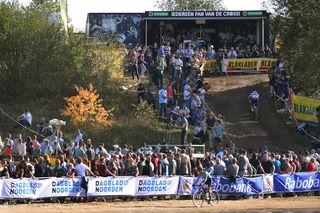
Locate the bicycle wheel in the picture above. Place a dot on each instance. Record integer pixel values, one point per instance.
(198, 198)
(215, 198)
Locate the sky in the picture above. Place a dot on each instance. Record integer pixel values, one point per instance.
(78, 9)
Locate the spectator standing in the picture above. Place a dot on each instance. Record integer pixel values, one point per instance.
(172, 165)
(218, 131)
(163, 99)
(182, 124)
(161, 66)
(210, 129)
(21, 148)
(82, 169)
(79, 136)
(210, 53)
(219, 168)
(311, 166)
(244, 164)
(178, 64)
(267, 164)
(232, 169)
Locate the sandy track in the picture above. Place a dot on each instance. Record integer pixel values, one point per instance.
(305, 204)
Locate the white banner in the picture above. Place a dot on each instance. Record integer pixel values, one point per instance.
(185, 186)
(33, 189)
(64, 187)
(25, 188)
(103, 186)
(157, 185)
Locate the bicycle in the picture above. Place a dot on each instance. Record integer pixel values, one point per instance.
(200, 195)
(254, 111)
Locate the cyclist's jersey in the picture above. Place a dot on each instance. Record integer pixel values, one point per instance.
(205, 175)
(254, 96)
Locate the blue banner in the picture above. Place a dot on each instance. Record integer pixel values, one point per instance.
(297, 182)
(244, 186)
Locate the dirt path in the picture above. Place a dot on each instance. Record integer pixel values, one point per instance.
(229, 97)
(301, 204)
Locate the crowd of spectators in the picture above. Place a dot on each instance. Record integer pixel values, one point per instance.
(51, 157)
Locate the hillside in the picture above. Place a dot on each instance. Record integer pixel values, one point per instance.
(229, 97)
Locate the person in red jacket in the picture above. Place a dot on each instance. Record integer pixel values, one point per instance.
(311, 166)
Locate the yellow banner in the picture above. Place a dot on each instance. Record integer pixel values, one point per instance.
(304, 108)
(209, 65)
(267, 63)
(243, 64)
(248, 64)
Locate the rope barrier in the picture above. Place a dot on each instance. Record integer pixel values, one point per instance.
(14, 120)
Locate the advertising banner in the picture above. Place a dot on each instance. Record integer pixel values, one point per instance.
(267, 183)
(25, 188)
(185, 185)
(157, 185)
(245, 186)
(304, 108)
(51, 187)
(103, 186)
(242, 64)
(148, 186)
(297, 182)
(63, 187)
(238, 65)
(209, 65)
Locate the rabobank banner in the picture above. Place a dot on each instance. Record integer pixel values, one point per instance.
(104, 186)
(157, 185)
(297, 182)
(245, 186)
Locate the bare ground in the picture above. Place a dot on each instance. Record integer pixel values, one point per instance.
(301, 204)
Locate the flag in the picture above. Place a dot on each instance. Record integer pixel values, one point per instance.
(64, 13)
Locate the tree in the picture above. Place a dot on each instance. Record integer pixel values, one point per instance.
(143, 115)
(86, 109)
(299, 34)
(184, 5)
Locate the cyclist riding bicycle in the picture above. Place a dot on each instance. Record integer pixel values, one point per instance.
(254, 99)
(206, 180)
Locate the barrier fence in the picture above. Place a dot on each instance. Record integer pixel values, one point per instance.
(151, 186)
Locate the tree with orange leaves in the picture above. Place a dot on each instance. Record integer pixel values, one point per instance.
(86, 108)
